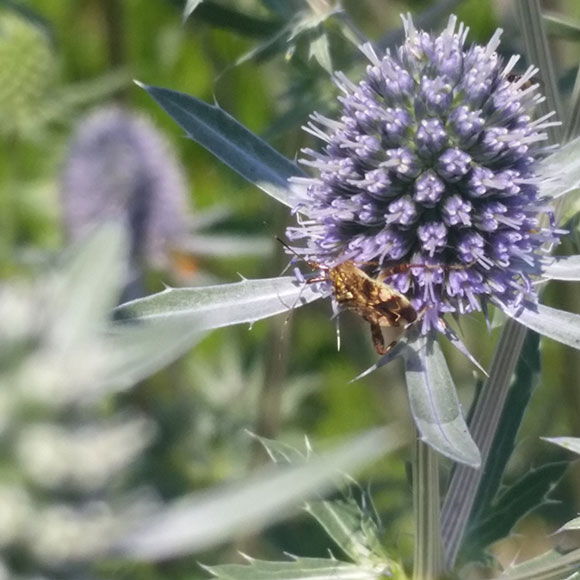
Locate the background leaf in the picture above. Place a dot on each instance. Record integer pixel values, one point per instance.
(351, 528)
(83, 305)
(281, 452)
(564, 27)
(548, 566)
(190, 6)
(570, 443)
(512, 504)
(201, 521)
(232, 143)
(434, 403)
(231, 18)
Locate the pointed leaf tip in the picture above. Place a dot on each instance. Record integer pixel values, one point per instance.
(190, 7)
(231, 142)
(569, 443)
(556, 324)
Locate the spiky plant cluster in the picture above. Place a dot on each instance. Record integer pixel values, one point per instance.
(427, 177)
(63, 454)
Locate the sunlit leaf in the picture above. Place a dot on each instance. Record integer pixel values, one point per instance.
(434, 403)
(190, 6)
(570, 443)
(351, 528)
(320, 51)
(297, 569)
(281, 452)
(232, 143)
(548, 566)
(83, 305)
(563, 268)
(345, 521)
(217, 306)
(209, 518)
(137, 351)
(555, 324)
(571, 525)
(561, 170)
(311, 20)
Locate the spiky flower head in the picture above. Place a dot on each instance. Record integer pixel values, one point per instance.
(427, 178)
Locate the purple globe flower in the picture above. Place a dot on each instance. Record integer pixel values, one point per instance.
(427, 179)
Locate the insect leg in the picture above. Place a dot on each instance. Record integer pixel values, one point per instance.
(379, 341)
(318, 279)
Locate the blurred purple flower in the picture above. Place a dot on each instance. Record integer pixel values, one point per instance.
(120, 168)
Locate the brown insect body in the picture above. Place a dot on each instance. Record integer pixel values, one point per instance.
(376, 302)
(379, 304)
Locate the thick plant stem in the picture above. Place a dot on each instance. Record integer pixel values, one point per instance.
(428, 558)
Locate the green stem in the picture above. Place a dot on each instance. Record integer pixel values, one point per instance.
(428, 558)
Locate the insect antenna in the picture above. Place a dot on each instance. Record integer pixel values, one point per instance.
(298, 277)
(323, 277)
(292, 251)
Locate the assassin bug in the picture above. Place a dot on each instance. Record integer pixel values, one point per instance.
(376, 302)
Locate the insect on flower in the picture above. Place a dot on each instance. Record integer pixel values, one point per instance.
(376, 302)
(432, 163)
